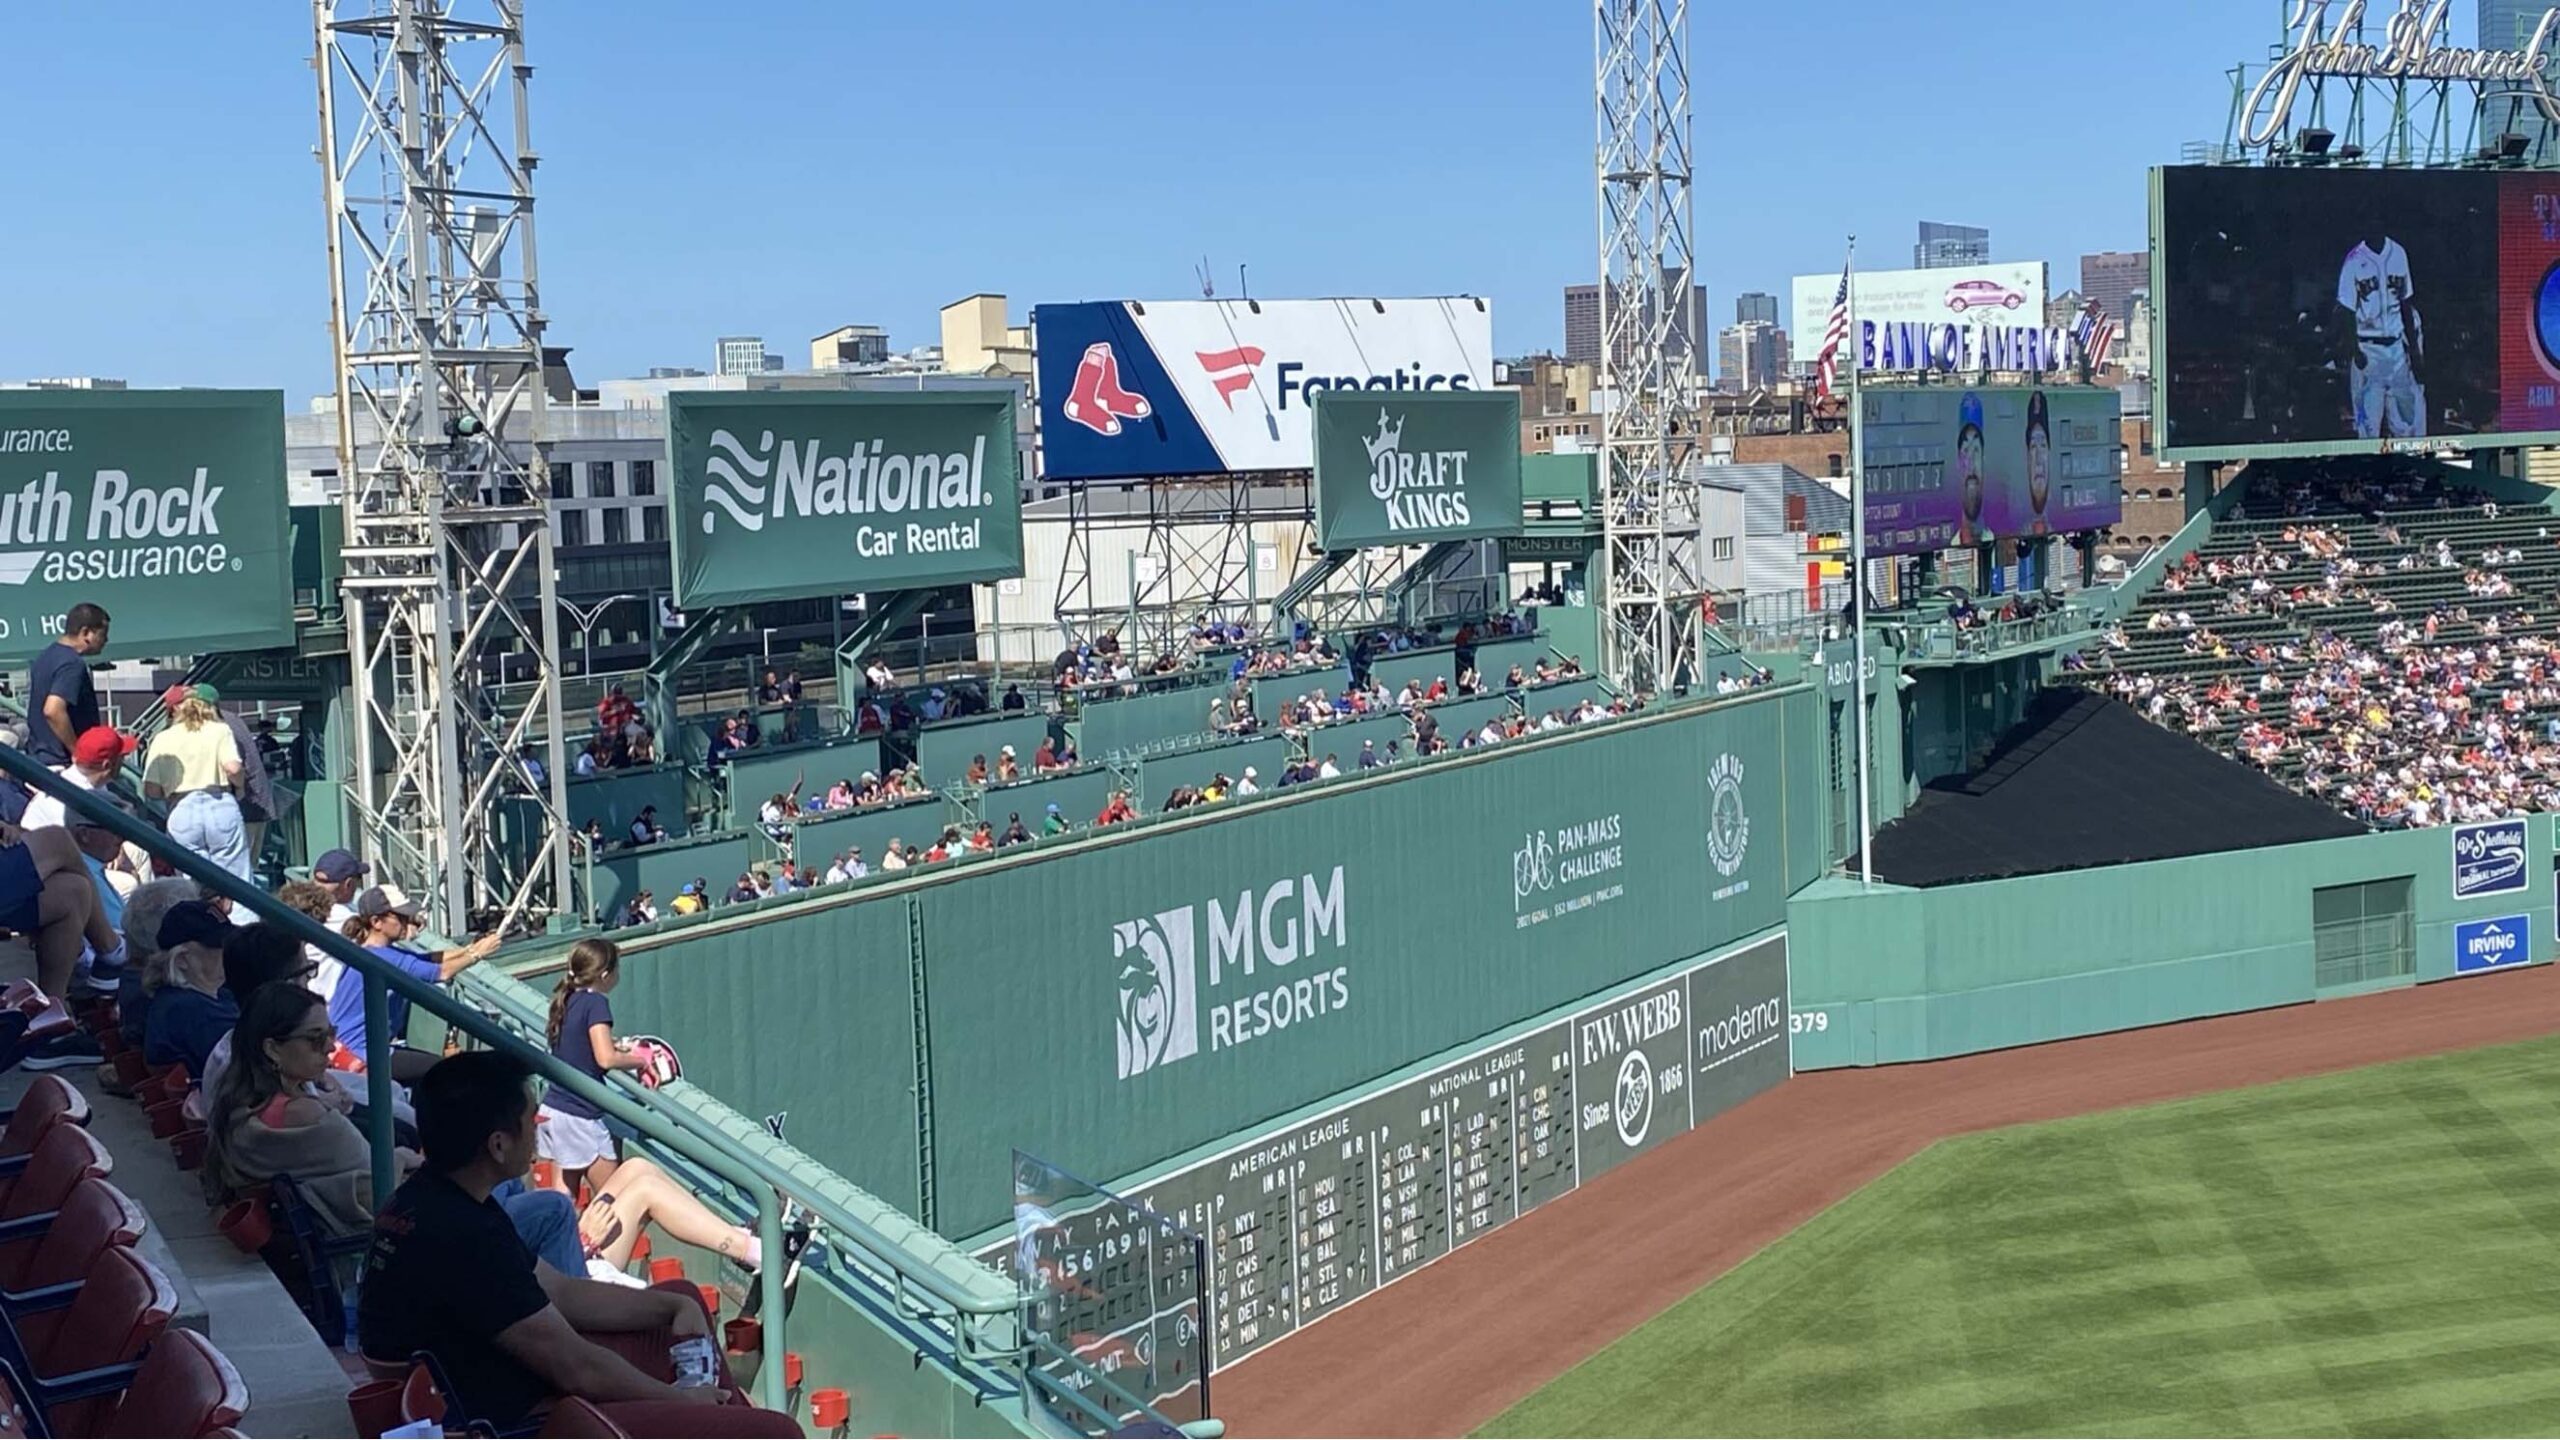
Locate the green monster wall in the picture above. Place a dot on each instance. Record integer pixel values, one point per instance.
(1119, 999)
(1898, 974)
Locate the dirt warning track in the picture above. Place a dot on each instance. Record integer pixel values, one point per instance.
(1457, 1342)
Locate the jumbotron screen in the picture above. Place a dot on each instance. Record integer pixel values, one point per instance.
(2337, 310)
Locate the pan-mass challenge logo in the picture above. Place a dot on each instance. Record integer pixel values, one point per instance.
(119, 529)
(800, 479)
(1252, 990)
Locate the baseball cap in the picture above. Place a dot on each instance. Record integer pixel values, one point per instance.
(174, 696)
(337, 865)
(1053, 807)
(101, 745)
(208, 694)
(387, 900)
(192, 922)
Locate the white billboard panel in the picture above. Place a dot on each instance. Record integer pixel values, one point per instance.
(1977, 299)
(1199, 387)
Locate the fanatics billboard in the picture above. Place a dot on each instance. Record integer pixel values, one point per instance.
(165, 506)
(1132, 389)
(781, 495)
(1416, 467)
(1960, 318)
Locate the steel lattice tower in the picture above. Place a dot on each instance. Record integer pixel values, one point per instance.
(435, 314)
(1651, 579)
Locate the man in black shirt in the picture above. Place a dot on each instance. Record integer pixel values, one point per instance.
(447, 1274)
(61, 694)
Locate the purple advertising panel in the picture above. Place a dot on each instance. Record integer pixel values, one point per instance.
(1952, 465)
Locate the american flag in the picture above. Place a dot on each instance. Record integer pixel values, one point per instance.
(1826, 367)
(2095, 335)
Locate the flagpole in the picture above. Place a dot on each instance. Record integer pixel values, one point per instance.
(1858, 574)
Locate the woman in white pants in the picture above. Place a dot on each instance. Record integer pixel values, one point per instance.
(193, 763)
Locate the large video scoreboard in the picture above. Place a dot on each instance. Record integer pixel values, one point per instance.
(1311, 1216)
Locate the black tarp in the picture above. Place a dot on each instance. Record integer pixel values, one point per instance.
(2085, 781)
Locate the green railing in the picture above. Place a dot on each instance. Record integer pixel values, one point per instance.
(960, 1314)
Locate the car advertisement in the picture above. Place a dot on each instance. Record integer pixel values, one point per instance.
(1136, 389)
(1987, 310)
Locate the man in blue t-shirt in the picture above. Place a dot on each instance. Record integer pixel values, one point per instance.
(389, 920)
(62, 698)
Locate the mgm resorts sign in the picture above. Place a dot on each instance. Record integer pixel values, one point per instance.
(2326, 41)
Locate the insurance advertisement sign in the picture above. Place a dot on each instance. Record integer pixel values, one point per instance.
(1135, 389)
(167, 507)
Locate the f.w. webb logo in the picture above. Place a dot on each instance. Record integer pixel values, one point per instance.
(1157, 966)
(1422, 490)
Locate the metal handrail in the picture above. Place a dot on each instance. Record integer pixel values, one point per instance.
(686, 1135)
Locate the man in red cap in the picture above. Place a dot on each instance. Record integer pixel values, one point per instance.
(94, 758)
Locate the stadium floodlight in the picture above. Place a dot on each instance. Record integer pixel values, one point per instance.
(2313, 142)
(2350, 154)
(2511, 148)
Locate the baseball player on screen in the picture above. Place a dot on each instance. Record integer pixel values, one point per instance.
(2382, 372)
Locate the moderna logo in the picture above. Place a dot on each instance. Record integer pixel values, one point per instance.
(1099, 402)
(1159, 1015)
(1230, 370)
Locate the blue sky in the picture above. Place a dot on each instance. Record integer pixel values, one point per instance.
(784, 166)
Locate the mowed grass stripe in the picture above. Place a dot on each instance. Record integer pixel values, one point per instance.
(2374, 1252)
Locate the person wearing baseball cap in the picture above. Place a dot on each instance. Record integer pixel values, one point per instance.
(94, 758)
(385, 920)
(193, 763)
(344, 874)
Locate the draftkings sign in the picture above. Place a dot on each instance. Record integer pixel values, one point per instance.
(1406, 467)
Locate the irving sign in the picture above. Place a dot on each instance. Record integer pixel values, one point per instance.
(1414, 467)
(166, 507)
(780, 495)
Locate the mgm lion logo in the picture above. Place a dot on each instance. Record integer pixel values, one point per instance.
(1158, 1016)
(1728, 822)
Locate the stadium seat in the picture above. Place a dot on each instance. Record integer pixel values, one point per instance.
(49, 1099)
(184, 1388)
(78, 1359)
(318, 1251)
(95, 1217)
(65, 1156)
(573, 1417)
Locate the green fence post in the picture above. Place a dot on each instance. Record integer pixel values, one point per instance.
(377, 1085)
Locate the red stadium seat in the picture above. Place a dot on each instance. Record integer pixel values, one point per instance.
(572, 1417)
(65, 1156)
(48, 1099)
(73, 1354)
(184, 1388)
(95, 1217)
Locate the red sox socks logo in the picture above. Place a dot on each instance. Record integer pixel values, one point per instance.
(1098, 402)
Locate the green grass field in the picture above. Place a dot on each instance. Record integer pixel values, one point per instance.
(2376, 1252)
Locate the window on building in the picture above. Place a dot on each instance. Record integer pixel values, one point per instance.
(2362, 933)
(1834, 459)
(617, 526)
(653, 524)
(573, 527)
(1571, 405)
(599, 478)
(1720, 548)
(644, 477)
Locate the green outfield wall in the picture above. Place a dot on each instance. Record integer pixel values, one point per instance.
(1898, 974)
(1115, 999)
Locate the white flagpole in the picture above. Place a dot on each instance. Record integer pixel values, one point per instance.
(1858, 574)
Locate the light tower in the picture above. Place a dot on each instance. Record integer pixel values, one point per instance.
(1650, 583)
(435, 314)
